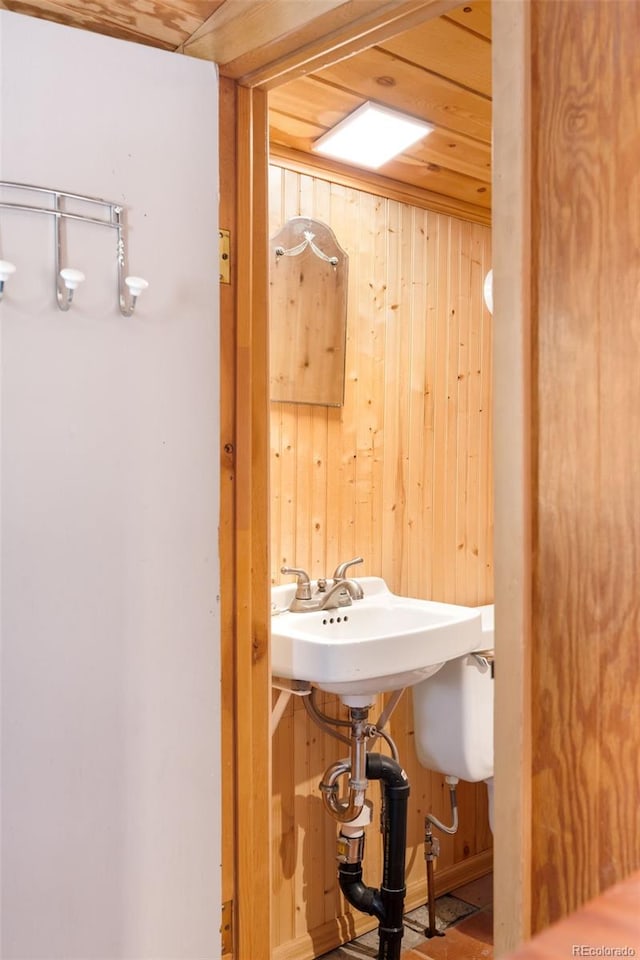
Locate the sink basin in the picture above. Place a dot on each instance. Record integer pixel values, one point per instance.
(382, 642)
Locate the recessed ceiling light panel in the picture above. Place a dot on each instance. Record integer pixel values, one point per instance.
(371, 135)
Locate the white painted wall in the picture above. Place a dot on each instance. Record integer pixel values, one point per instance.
(110, 621)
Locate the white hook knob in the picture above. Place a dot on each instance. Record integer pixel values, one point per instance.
(6, 269)
(136, 285)
(72, 278)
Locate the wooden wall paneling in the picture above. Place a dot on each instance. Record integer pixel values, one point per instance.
(360, 463)
(462, 294)
(319, 565)
(289, 478)
(416, 500)
(399, 278)
(453, 462)
(291, 544)
(395, 412)
(450, 458)
(332, 458)
(402, 311)
(426, 537)
(276, 200)
(278, 487)
(438, 317)
(346, 434)
(482, 431)
(378, 319)
(486, 501)
(322, 867)
(566, 757)
(318, 196)
(586, 712)
(283, 839)
(420, 799)
(465, 840)
(335, 207)
(302, 503)
(304, 907)
(440, 414)
(619, 396)
(473, 433)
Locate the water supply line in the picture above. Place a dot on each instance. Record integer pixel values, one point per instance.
(374, 731)
(324, 721)
(432, 851)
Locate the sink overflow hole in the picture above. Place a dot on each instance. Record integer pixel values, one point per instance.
(334, 620)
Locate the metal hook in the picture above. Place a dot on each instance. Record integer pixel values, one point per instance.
(127, 286)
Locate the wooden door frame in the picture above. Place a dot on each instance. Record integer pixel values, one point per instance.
(512, 463)
(511, 221)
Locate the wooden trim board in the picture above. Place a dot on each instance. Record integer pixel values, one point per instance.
(512, 470)
(446, 880)
(253, 668)
(377, 185)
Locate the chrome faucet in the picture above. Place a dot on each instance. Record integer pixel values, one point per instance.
(341, 593)
(342, 568)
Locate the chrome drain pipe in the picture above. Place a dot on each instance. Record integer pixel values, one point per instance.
(344, 811)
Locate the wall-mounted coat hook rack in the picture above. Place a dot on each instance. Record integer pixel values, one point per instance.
(67, 279)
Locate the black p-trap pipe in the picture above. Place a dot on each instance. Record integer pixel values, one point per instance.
(387, 903)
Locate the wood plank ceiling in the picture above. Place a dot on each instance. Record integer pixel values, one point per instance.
(439, 70)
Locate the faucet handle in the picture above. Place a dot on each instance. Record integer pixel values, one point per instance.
(303, 587)
(342, 568)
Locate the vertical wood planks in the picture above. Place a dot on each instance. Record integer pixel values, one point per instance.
(401, 474)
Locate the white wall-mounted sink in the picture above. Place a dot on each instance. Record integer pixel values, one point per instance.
(382, 642)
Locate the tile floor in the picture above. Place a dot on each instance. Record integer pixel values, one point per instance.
(465, 916)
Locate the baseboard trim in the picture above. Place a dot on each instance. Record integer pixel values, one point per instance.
(331, 935)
